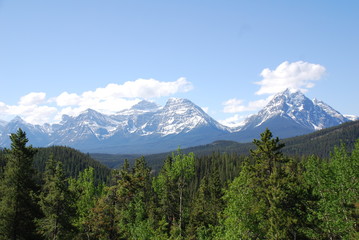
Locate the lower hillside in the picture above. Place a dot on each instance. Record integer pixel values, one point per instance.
(73, 162)
(224, 196)
(319, 143)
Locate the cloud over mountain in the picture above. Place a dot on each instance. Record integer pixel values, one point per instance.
(37, 109)
(297, 75)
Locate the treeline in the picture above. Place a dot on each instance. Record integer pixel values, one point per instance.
(73, 162)
(266, 195)
(320, 143)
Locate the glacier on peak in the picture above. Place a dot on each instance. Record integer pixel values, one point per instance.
(293, 104)
(151, 128)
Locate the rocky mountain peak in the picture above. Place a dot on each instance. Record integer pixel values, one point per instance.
(148, 127)
(145, 105)
(295, 106)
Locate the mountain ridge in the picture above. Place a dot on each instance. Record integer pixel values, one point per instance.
(149, 128)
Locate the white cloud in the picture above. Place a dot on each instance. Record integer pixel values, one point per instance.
(236, 105)
(40, 115)
(140, 88)
(205, 109)
(34, 107)
(3, 107)
(67, 99)
(31, 113)
(233, 106)
(33, 98)
(258, 104)
(116, 97)
(109, 106)
(298, 75)
(234, 121)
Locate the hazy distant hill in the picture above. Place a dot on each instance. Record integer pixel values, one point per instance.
(319, 143)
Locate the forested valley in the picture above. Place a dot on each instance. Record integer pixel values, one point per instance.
(58, 193)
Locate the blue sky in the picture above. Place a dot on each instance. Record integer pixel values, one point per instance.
(228, 57)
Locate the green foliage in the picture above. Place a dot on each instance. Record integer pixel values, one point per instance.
(123, 211)
(218, 196)
(85, 193)
(55, 201)
(173, 195)
(18, 208)
(73, 162)
(262, 202)
(335, 183)
(206, 207)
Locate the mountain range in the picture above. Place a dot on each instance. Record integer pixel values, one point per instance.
(149, 128)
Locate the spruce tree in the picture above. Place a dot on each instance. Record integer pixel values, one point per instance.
(171, 186)
(336, 185)
(55, 203)
(263, 202)
(206, 206)
(85, 194)
(18, 208)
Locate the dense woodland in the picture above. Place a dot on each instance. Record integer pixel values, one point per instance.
(58, 193)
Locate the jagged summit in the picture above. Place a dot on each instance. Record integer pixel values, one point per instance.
(145, 105)
(17, 119)
(149, 128)
(291, 113)
(181, 116)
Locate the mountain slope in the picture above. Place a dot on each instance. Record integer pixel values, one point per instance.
(319, 143)
(179, 123)
(144, 128)
(37, 134)
(73, 162)
(288, 114)
(148, 128)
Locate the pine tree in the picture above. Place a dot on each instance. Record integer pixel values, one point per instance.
(262, 201)
(336, 184)
(165, 189)
(55, 203)
(206, 206)
(18, 208)
(123, 211)
(171, 186)
(85, 193)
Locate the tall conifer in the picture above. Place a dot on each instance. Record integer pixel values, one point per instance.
(17, 206)
(55, 202)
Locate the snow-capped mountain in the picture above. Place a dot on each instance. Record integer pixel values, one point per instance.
(144, 128)
(36, 133)
(149, 128)
(351, 117)
(180, 116)
(291, 113)
(89, 126)
(2, 123)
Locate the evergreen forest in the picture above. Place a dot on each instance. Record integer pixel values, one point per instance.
(59, 193)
